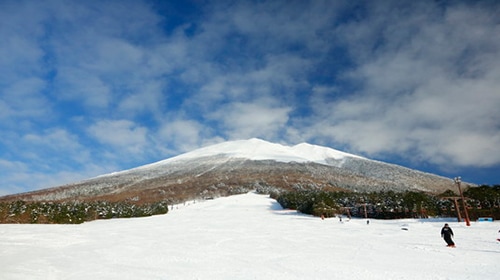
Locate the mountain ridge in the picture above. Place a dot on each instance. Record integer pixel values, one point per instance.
(239, 166)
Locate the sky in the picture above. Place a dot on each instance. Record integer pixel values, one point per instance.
(248, 236)
(92, 87)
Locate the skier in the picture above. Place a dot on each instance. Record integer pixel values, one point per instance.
(498, 239)
(447, 234)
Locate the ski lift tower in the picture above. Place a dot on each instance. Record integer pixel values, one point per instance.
(458, 180)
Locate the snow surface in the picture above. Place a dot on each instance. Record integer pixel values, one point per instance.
(247, 237)
(257, 149)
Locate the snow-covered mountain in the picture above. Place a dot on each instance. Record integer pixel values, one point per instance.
(239, 166)
(257, 149)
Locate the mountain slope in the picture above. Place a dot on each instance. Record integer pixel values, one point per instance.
(238, 166)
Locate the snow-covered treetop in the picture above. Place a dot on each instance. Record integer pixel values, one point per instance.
(258, 149)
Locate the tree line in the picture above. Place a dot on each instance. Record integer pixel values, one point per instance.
(482, 201)
(75, 212)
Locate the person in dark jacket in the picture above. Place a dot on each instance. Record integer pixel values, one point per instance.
(447, 234)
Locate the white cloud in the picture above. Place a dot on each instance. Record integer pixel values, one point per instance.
(181, 135)
(23, 99)
(50, 158)
(78, 85)
(261, 118)
(122, 135)
(20, 177)
(434, 92)
(104, 52)
(56, 139)
(147, 99)
(12, 165)
(51, 149)
(20, 30)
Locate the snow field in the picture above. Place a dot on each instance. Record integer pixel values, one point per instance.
(248, 237)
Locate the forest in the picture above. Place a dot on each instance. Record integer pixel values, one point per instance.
(75, 212)
(482, 201)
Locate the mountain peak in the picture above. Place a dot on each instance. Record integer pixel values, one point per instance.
(258, 149)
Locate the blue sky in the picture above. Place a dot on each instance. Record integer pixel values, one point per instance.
(92, 87)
